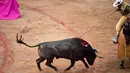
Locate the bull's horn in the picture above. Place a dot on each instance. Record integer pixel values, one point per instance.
(99, 56)
(95, 50)
(97, 53)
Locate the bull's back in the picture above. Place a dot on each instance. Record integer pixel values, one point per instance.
(63, 48)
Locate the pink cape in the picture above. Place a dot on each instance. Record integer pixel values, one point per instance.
(9, 9)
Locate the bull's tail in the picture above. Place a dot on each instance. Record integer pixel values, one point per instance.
(21, 41)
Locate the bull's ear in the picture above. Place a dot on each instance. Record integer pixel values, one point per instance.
(95, 50)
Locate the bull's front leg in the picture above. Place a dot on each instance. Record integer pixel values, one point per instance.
(71, 65)
(84, 63)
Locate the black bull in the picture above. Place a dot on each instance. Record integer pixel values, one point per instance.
(73, 49)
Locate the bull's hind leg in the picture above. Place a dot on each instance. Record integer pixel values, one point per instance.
(71, 65)
(84, 63)
(38, 61)
(48, 63)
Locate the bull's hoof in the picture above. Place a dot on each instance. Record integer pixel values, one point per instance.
(40, 70)
(66, 69)
(56, 69)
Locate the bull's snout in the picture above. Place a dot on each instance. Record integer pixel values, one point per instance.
(90, 64)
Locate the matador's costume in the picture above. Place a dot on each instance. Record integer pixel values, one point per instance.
(124, 9)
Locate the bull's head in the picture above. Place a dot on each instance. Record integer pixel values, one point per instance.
(91, 59)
